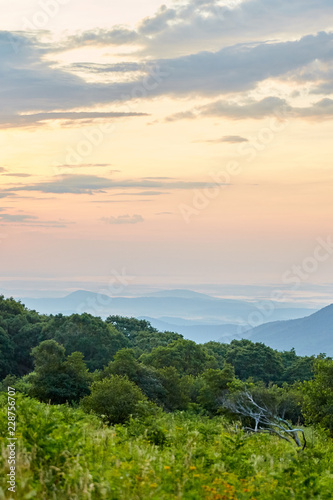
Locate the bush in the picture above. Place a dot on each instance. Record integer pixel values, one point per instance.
(114, 399)
(318, 403)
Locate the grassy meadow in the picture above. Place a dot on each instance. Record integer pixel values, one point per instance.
(63, 453)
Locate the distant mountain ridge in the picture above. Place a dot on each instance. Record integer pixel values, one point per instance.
(197, 316)
(182, 294)
(200, 333)
(310, 335)
(173, 303)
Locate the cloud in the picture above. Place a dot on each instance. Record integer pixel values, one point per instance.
(322, 110)
(233, 139)
(123, 219)
(3, 169)
(251, 109)
(76, 184)
(196, 25)
(18, 174)
(118, 35)
(232, 69)
(86, 165)
(236, 110)
(34, 90)
(124, 67)
(143, 193)
(30, 220)
(17, 218)
(240, 68)
(7, 194)
(70, 117)
(89, 184)
(159, 22)
(202, 23)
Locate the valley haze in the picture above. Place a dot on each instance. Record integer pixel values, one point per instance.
(203, 318)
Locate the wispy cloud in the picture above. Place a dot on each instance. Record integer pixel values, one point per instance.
(256, 110)
(86, 165)
(44, 92)
(17, 218)
(195, 25)
(123, 219)
(17, 174)
(89, 184)
(70, 118)
(30, 220)
(233, 139)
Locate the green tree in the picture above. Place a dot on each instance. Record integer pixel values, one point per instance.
(218, 350)
(19, 332)
(215, 386)
(146, 341)
(301, 369)
(10, 307)
(6, 354)
(177, 389)
(114, 399)
(254, 360)
(57, 378)
(147, 378)
(186, 356)
(130, 326)
(318, 402)
(97, 340)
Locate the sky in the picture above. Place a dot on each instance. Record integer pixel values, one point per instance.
(165, 144)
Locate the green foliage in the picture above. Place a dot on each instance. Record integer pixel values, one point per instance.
(10, 307)
(130, 326)
(318, 404)
(218, 350)
(254, 360)
(63, 453)
(57, 378)
(19, 332)
(6, 353)
(114, 399)
(215, 385)
(285, 402)
(186, 356)
(296, 368)
(147, 378)
(97, 340)
(176, 389)
(146, 341)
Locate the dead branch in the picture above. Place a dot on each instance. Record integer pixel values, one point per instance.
(263, 419)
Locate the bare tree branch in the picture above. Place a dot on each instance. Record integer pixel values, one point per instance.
(264, 420)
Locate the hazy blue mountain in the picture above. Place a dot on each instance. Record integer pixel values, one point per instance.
(181, 293)
(197, 316)
(191, 330)
(310, 335)
(176, 303)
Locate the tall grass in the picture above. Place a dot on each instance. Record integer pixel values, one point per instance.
(63, 453)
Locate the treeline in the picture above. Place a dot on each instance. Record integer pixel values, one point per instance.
(123, 366)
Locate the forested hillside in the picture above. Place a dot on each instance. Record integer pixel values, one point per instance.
(312, 334)
(158, 416)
